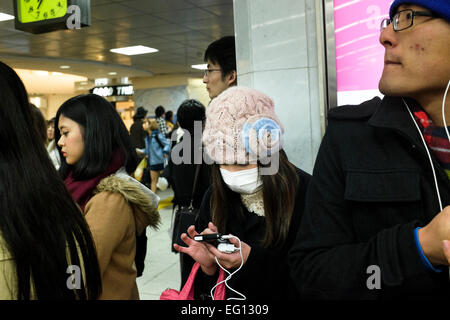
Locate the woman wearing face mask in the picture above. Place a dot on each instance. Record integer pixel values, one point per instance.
(97, 158)
(256, 195)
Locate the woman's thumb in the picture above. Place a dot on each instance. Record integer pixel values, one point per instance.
(212, 227)
(446, 245)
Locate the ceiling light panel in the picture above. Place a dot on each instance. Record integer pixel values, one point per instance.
(134, 50)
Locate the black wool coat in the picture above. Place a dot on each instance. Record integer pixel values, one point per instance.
(182, 176)
(138, 134)
(372, 185)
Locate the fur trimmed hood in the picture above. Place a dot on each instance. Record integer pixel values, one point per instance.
(143, 201)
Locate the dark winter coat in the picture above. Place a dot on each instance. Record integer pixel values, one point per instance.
(372, 185)
(181, 177)
(138, 134)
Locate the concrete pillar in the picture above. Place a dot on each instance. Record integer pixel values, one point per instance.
(277, 53)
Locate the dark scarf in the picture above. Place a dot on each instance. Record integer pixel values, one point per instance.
(81, 190)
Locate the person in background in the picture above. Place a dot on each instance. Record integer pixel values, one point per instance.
(51, 147)
(46, 132)
(377, 210)
(97, 161)
(249, 198)
(221, 73)
(161, 121)
(190, 113)
(169, 123)
(39, 124)
(43, 234)
(51, 129)
(157, 147)
(138, 134)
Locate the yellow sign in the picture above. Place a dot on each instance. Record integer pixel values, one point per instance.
(40, 10)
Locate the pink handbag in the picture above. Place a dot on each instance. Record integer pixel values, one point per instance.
(187, 293)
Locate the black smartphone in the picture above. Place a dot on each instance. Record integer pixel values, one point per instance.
(207, 237)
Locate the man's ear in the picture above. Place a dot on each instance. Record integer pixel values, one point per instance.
(231, 78)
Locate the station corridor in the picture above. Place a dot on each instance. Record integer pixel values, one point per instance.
(162, 267)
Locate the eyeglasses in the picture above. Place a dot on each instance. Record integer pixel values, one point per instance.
(404, 19)
(207, 71)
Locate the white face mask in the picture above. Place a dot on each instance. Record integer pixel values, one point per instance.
(244, 181)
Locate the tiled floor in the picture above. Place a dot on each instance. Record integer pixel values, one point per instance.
(162, 267)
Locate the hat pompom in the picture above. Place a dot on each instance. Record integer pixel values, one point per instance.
(262, 136)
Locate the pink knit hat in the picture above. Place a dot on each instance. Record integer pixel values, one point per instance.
(241, 127)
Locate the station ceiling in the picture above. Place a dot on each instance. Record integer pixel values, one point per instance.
(180, 29)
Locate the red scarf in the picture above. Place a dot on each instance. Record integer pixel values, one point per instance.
(81, 190)
(435, 136)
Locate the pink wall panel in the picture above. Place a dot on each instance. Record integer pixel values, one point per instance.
(359, 54)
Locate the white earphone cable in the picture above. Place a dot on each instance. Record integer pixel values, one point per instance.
(446, 129)
(230, 274)
(426, 147)
(443, 110)
(428, 153)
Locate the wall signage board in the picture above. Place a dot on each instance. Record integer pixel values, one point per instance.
(109, 91)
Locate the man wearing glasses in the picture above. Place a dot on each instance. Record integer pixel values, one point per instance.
(377, 210)
(221, 69)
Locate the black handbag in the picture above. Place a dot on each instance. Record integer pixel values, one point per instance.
(185, 216)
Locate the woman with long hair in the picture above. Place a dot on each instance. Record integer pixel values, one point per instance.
(96, 163)
(43, 235)
(257, 195)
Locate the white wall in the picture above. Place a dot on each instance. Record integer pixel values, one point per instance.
(195, 88)
(169, 97)
(277, 53)
(44, 82)
(54, 101)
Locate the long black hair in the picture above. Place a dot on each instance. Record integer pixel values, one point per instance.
(190, 110)
(103, 133)
(39, 123)
(42, 228)
(279, 193)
